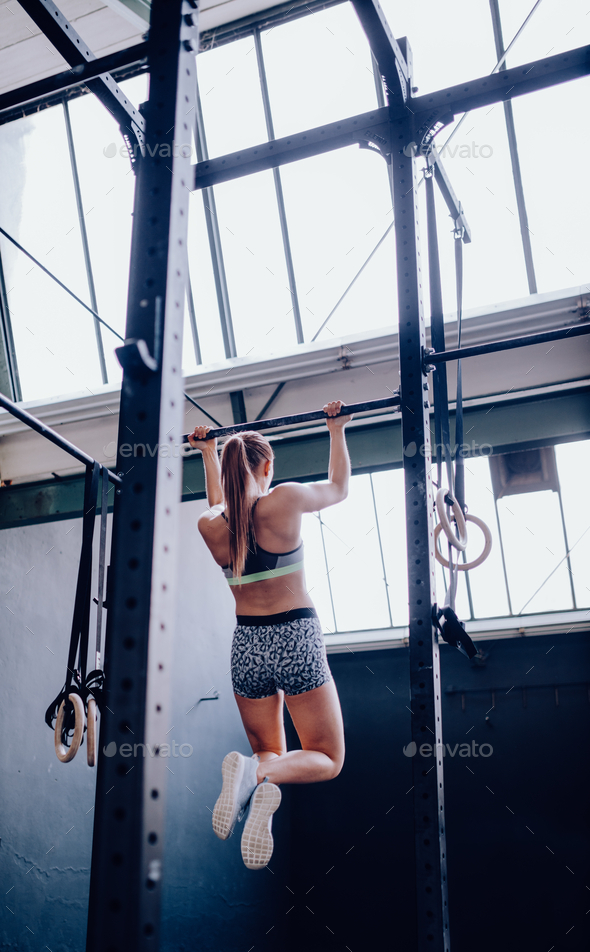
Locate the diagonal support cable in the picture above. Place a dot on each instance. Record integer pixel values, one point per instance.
(96, 316)
(561, 561)
(496, 68)
(357, 275)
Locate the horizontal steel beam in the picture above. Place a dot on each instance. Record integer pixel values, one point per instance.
(276, 422)
(51, 435)
(13, 102)
(370, 128)
(437, 109)
(373, 129)
(492, 347)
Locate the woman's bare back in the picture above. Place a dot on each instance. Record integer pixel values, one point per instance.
(277, 528)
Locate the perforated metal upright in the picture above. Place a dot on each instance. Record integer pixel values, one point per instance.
(127, 856)
(425, 694)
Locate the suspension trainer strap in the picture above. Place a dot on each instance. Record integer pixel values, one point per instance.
(459, 436)
(437, 336)
(81, 617)
(101, 561)
(94, 682)
(74, 680)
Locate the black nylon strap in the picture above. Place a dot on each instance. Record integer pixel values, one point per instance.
(437, 337)
(101, 559)
(459, 436)
(81, 617)
(75, 679)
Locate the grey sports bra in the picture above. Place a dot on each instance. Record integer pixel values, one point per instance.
(261, 564)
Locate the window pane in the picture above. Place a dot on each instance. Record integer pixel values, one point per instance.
(354, 560)
(533, 547)
(316, 571)
(558, 204)
(230, 97)
(338, 207)
(318, 69)
(573, 464)
(261, 304)
(54, 336)
(390, 503)
(437, 33)
(107, 185)
(477, 161)
(554, 28)
(203, 282)
(488, 589)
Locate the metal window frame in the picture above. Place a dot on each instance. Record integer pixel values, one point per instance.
(381, 553)
(85, 244)
(514, 159)
(279, 190)
(215, 247)
(7, 347)
(192, 315)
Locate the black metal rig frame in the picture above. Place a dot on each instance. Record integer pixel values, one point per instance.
(127, 855)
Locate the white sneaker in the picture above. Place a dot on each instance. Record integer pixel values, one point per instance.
(239, 783)
(257, 841)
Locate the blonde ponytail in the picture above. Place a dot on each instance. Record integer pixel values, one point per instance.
(241, 457)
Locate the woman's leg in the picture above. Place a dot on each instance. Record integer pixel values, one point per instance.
(263, 722)
(317, 718)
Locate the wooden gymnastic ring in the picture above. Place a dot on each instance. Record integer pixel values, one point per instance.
(461, 542)
(91, 733)
(464, 566)
(65, 754)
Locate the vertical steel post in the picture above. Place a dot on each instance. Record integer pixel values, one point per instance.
(425, 693)
(127, 854)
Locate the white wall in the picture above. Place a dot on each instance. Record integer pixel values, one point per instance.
(47, 814)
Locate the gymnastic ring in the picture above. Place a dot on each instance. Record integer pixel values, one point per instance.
(91, 733)
(461, 542)
(65, 754)
(464, 566)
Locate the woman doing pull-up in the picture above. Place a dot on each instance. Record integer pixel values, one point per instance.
(278, 651)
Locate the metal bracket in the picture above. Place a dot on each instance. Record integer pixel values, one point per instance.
(373, 142)
(427, 368)
(135, 358)
(62, 35)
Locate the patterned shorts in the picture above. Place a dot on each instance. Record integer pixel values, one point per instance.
(285, 654)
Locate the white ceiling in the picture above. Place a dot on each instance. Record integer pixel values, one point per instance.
(105, 25)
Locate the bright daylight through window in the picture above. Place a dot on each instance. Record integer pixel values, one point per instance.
(306, 253)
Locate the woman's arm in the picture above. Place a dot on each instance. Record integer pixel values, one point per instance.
(211, 463)
(311, 497)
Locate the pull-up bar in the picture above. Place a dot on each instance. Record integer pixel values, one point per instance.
(386, 403)
(51, 435)
(492, 347)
